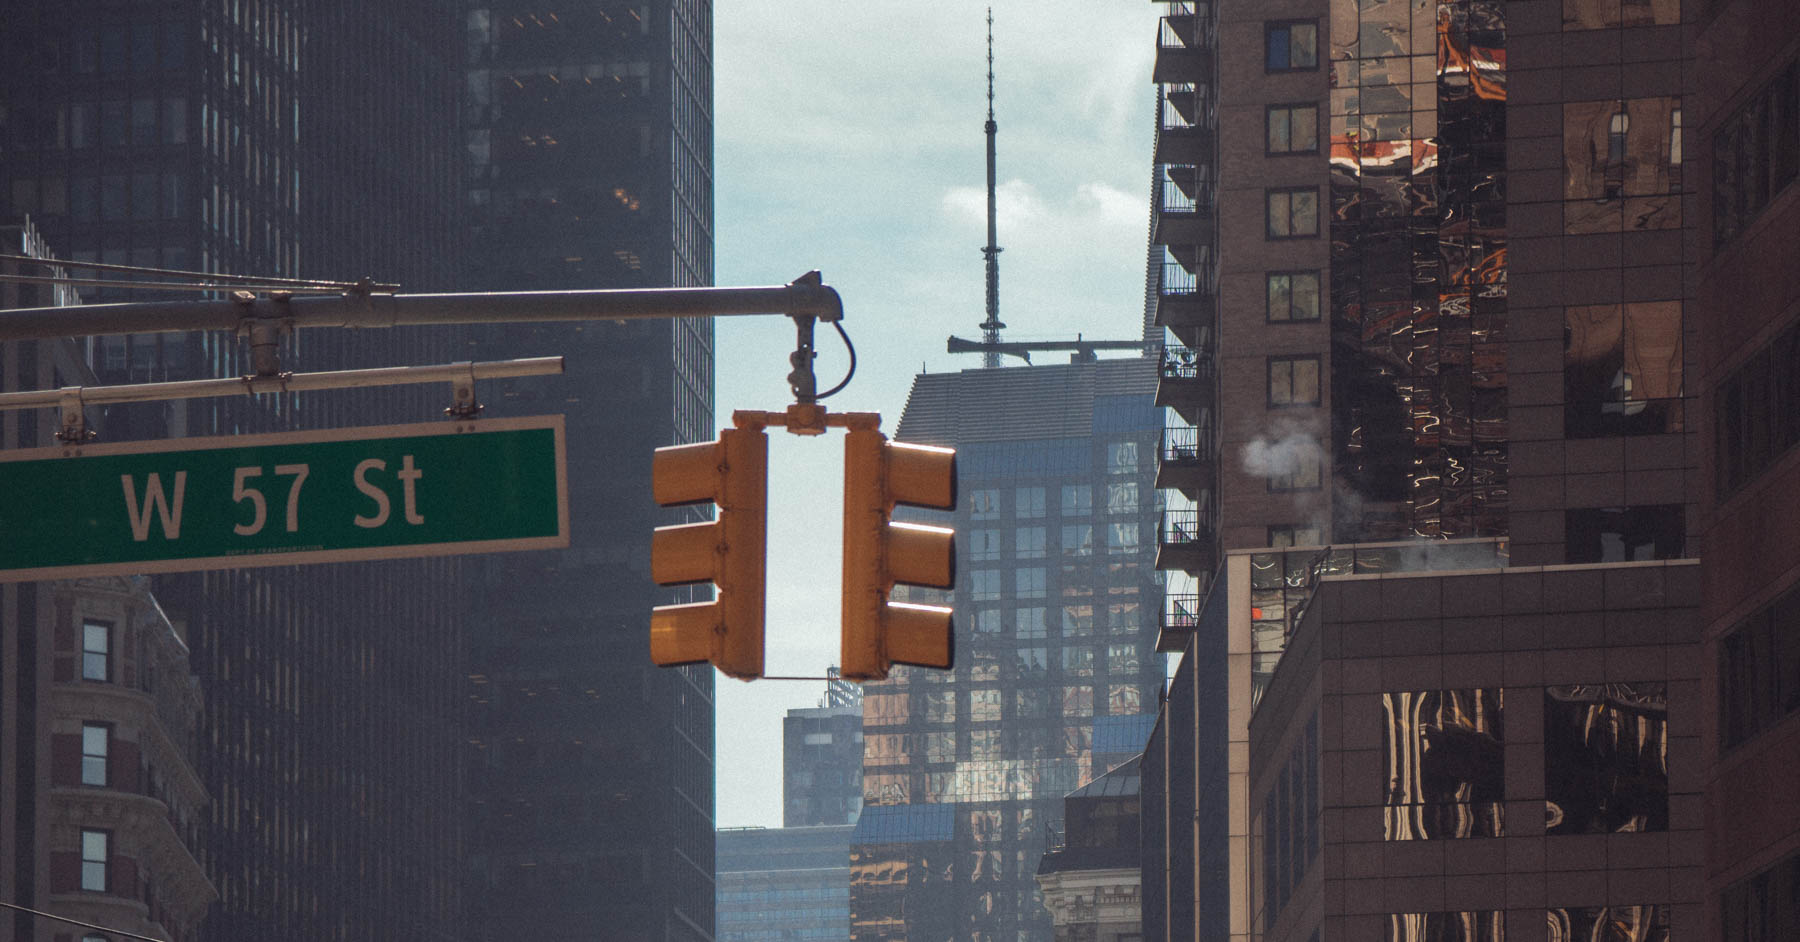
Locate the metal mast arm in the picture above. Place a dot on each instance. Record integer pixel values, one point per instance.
(805, 296)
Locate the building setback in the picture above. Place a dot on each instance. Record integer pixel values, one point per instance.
(590, 802)
(964, 772)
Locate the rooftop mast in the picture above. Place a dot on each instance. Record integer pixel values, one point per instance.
(990, 328)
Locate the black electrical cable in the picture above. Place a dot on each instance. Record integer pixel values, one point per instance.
(847, 346)
(161, 285)
(256, 280)
(76, 922)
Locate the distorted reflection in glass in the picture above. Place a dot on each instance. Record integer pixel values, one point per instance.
(1485, 926)
(1606, 14)
(1445, 764)
(1622, 369)
(1621, 165)
(1606, 758)
(1647, 923)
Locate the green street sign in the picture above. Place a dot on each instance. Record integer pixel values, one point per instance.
(483, 486)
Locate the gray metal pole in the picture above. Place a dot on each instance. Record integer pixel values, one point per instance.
(806, 296)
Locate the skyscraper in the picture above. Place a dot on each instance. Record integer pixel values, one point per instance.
(589, 136)
(276, 139)
(821, 759)
(964, 772)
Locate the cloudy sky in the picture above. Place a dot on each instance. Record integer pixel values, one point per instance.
(849, 139)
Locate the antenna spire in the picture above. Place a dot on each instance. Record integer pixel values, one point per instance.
(990, 328)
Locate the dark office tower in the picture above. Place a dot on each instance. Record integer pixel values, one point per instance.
(1747, 147)
(264, 137)
(964, 771)
(589, 136)
(821, 759)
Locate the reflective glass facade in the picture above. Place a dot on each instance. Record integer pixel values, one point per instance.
(1055, 628)
(1419, 272)
(787, 884)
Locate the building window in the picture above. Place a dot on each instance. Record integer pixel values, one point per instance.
(94, 738)
(1759, 670)
(1293, 381)
(1078, 620)
(1606, 762)
(1030, 582)
(1291, 46)
(984, 704)
(984, 504)
(984, 545)
(1122, 458)
(1028, 502)
(1078, 661)
(1294, 534)
(1033, 662)
(1622, 369)
(1122, 659)
(1764, 907)
(1756, 154)
(1078, 539)
(96, 650)
(93, 859)
(1297, 471)
(1122, 498)
(1121, 538)
(1029, 622)
(1756, 413)
(1444, 764)
(1077, 500)
(1482, 926)
(1293, 213)
(1293, 129)
(984, 584)
(1611, 923)
(1620, 168)
(1030, 542)
(1293, 296)
(1078, 701)
(987, 621)
(1625, 534)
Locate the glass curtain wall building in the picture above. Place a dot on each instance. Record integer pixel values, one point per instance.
(588, 136)
(964, 772)
(279, 139)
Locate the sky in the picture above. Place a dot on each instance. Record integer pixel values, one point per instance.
(848, 139)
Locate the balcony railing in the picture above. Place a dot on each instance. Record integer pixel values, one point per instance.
(1180, 362)
(1183, 443)
(1181, 612)
(1185, 527)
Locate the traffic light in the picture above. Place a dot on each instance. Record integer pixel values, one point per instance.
(878, 553)
(729, 552)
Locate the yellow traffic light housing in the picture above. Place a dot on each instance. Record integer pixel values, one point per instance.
(729, 552)
(878, 554)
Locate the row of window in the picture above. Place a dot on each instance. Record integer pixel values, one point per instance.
(1757, 412)
(1033, 542)
(1606, 761)
(1648, 922)
(1077, 500)
(1759, 670)
(1077, 620)
(1756, 154)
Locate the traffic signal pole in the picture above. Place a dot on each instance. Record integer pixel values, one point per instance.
(806, 296)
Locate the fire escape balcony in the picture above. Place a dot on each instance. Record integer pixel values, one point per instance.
(1187, 461)
(1185, 46)
(1187, 382)
(1187, 540)
(1180, 619)
(1186, 303)
(1183, 215)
